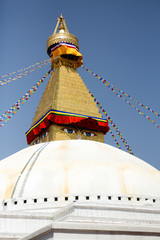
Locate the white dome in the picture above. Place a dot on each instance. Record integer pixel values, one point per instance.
(76, 167)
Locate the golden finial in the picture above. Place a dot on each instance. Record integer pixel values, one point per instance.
(62, 25)
(62, 36)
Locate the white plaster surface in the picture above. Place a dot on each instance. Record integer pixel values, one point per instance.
(83, 220)
(76, 167)
(78, 190)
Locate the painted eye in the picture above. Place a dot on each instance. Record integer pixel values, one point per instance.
(67, 130)
(45, 134)
(89, 134)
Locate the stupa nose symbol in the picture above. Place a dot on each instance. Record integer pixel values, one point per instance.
(79, 137)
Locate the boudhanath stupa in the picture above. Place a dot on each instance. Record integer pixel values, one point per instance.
(69, 184)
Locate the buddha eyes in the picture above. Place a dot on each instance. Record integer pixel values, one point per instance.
(89, 134)
(68, 130)
(85, 133)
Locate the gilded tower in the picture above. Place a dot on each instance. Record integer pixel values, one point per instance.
(66, 110)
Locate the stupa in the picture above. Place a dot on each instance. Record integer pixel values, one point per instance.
(68, 183)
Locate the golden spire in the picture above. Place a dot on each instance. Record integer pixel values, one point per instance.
(66, 110)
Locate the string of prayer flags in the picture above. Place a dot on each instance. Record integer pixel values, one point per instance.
(112, 88)
(114, 139)
(13, 109)
(23, 69)
(20, 75)
(113, 125)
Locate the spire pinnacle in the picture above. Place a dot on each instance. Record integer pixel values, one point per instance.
(61, 24)
(63, 37)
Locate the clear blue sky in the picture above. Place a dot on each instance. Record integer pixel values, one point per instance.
(119, 40)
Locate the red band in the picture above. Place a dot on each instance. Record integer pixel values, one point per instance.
(80, 122)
